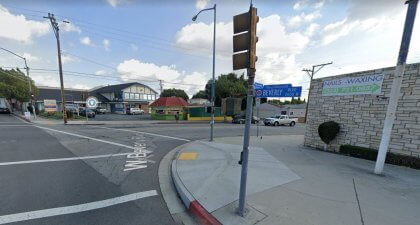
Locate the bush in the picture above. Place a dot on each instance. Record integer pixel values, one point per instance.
(328, 131)
(371, 154)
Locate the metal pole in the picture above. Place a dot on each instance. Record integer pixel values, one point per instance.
(396, 86)
(30, 89)
(245, 150)
(213, 88)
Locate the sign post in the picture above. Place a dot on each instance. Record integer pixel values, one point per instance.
(91, 103)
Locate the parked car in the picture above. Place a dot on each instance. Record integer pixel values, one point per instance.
(4, 110)
(90, 113)
(135, 111)
(100, 110)
(278, 120)
(241, 119)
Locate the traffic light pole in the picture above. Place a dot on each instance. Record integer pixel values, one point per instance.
(253, 20)
(56, 29)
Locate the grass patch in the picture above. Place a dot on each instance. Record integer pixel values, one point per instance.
(371, 154)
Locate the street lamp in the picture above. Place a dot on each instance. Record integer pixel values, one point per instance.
(214, 62)
(29, 79)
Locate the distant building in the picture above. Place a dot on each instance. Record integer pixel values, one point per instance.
(118, 98)
(198, 101)
(115, 98)
(73, 96)
(292, 110)
(165, 108)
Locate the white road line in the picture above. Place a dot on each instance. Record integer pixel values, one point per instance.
(14, 125)
(90, 138)
(140, 132)
(75, 208)
(63, 159)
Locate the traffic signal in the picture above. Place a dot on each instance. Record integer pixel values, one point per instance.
(245, 40)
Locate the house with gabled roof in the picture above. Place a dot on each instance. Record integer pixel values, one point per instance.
(118, 98)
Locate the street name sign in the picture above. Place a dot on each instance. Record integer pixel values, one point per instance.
(371, 84)
(91, 102)
(277, 91)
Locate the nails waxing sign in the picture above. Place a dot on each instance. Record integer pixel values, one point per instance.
(370, 84)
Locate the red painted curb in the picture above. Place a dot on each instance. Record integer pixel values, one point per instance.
(204, 217)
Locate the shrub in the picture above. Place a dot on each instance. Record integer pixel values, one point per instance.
(371, 154)
(328, 131)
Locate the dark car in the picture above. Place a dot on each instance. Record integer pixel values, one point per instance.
(4, 110)
(241, 120)
(90, 113)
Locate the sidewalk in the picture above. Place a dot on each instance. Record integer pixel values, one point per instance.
(291, 184)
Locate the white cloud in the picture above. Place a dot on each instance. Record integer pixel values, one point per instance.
(276, 48)
(18, 28)
(106, 44)
(311, 29)
(304, 18)
(80, 86)
(100, 72)
(201, 4)
(86, 41)
(30, 58)
(302, 4)
(134, 47)
(67, 59)
(134, 69)
(363, 16)
(69, 27)
(114, 3)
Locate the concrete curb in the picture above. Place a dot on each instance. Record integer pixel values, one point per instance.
(194, 207)
(21, 117)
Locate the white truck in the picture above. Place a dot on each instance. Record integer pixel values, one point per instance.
(278, 120)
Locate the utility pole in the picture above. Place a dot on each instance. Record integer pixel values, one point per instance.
(244, 48)
(56, 29)
(396, 85)
(311, 73)
(29, 79)
(161, 87)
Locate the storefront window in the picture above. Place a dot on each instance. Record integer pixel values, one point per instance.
(126, 95)
(137, 96)
(132, 96)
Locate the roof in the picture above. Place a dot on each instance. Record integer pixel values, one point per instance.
(119, 87)
(55, 93)
(169, 102)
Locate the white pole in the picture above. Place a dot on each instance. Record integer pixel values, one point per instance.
(396, 86)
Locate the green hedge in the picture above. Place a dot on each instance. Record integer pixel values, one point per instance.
(59, 115)
(371, 154)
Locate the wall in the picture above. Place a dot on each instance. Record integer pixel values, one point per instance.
(361, 117)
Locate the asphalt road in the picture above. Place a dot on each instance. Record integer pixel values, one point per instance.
(103, 188)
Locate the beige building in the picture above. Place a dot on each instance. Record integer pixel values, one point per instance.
(358, 102)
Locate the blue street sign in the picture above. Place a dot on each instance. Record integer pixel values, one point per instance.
(258, 85)
(278, 90)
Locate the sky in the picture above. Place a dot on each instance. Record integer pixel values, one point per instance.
(115, 41)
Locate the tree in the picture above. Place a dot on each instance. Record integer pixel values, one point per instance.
(173, 92)
(200, 94)
(229, 85)
(14, 85)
